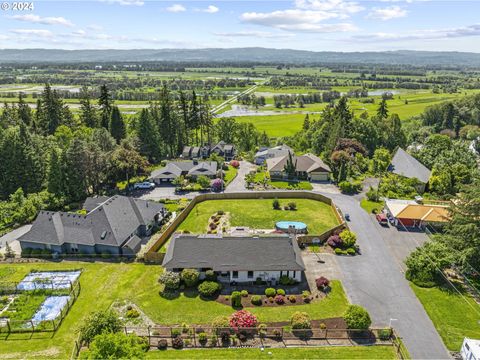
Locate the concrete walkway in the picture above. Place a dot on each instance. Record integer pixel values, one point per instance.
(238, 184)
(375, 280)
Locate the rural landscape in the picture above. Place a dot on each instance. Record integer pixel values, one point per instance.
(269, 199)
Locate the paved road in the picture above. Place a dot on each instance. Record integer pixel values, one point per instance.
(375, 280)
(238, 184)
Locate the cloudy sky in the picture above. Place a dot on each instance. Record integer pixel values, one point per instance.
(319, 25)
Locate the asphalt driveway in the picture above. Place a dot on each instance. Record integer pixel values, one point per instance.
(238, 184)
(376, 281)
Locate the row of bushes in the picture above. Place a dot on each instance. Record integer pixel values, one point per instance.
(343, 243)
(190, 278)
(290, 206)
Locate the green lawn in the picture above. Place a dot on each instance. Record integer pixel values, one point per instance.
(453, 315)
(369, 206)
(103, 283)
(230, 174)
(347, 352)
(291, 185)
(259, 214)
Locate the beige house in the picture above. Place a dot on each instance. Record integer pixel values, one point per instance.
(308, 167)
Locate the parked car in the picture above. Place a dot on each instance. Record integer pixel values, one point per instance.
(144, 185)
(382, 219)
(347, 217)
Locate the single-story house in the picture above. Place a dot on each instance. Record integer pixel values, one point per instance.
(192, 168)
(406, 165)
(236, 259)
(113, 225)
(411, 213)
(227, 151)
(308, 167)
(268, 153)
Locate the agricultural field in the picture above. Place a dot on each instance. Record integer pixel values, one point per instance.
(259, 214)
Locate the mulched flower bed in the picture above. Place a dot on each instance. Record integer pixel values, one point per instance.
(247, 300)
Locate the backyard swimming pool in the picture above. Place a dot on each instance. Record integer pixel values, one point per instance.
(286, 226)
(53, 280)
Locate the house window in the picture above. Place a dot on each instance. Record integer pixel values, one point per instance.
(250, 275)
(293, 276)
(235, 274)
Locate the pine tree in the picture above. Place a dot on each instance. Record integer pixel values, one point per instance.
(290, 167)
(106, 103)
(194, 118)
(88, 113)
(382, 111)
(149, 137)
(52, 113)
(75, 170)
(55, 176)
(117, 125)
(168, 122)
(306, 123)
(24, 111)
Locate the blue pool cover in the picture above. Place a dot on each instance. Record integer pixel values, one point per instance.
(285, 225)
(50, 308)
(48, 280)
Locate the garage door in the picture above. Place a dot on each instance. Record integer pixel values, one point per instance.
(319, 177)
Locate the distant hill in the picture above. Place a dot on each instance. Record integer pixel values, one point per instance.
(255, 55)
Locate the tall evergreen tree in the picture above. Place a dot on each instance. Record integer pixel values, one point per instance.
(75, 170)
(52, 112)
(149, 137)
(382, 110)
(56, 174)
(290, 166)
(168, 121)
(24, 111)
(117, 125)
(106, 104)
(88, 113)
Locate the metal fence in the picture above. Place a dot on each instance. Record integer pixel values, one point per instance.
(8, 326)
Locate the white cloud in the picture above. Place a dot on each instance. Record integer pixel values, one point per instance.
(33, 32)
(347, 7)
(432, 34)
(125, 2)
(31, 18)
(392, 12)
(176, 8)
(256, 34)
(297, 20)
(211, 9)
(95, 27)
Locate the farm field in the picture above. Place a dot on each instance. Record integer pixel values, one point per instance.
(455, 316)
(259, 214)
(104, 283)
(347, 352)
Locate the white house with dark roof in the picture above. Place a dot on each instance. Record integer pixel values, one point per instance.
(113, 225)
(268, 153)
(236, 259)
(192, 168)
(406, 165)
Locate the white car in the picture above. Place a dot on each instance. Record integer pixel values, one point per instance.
(144, 185)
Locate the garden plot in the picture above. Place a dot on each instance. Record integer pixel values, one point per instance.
(50, 308)
(51, 280)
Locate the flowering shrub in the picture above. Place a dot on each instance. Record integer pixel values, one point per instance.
(335, 241)
(235, 164)
(280, 299)
(217, 184)
(300, 320)
(243, 319)
(322, 282)
(170, 280)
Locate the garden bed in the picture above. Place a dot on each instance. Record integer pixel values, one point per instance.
(267, 302)
(51, 280)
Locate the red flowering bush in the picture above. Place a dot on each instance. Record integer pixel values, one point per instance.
(217, 184)
(280, 299)
(335, 241)
(235, 163)
(243, 319)
(322, 282)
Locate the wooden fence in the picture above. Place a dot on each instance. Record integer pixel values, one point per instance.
(169, 231)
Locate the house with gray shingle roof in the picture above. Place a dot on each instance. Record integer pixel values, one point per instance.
(267, 153)
(227, 151)
(308, 167)
(236, 259)
(192, 168)
(114, 225)
(406, 165)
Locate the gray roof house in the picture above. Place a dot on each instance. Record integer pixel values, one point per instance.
(239, 259)
(267, 153)
(406, 165)
(223, 149)
(307, 166)
(176, 168)
(114, 225)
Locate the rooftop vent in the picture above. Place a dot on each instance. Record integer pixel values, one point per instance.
(104, 234)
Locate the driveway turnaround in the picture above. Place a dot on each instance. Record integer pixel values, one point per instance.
(375, 281)
(238, 184)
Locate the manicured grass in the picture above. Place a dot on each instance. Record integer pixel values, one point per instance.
(275, 125)
(259, 214)
(337, 352)
(230, 174)
(369, 206)
(189, 308)
(291, 185)
(453, 315)
(103, 283)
